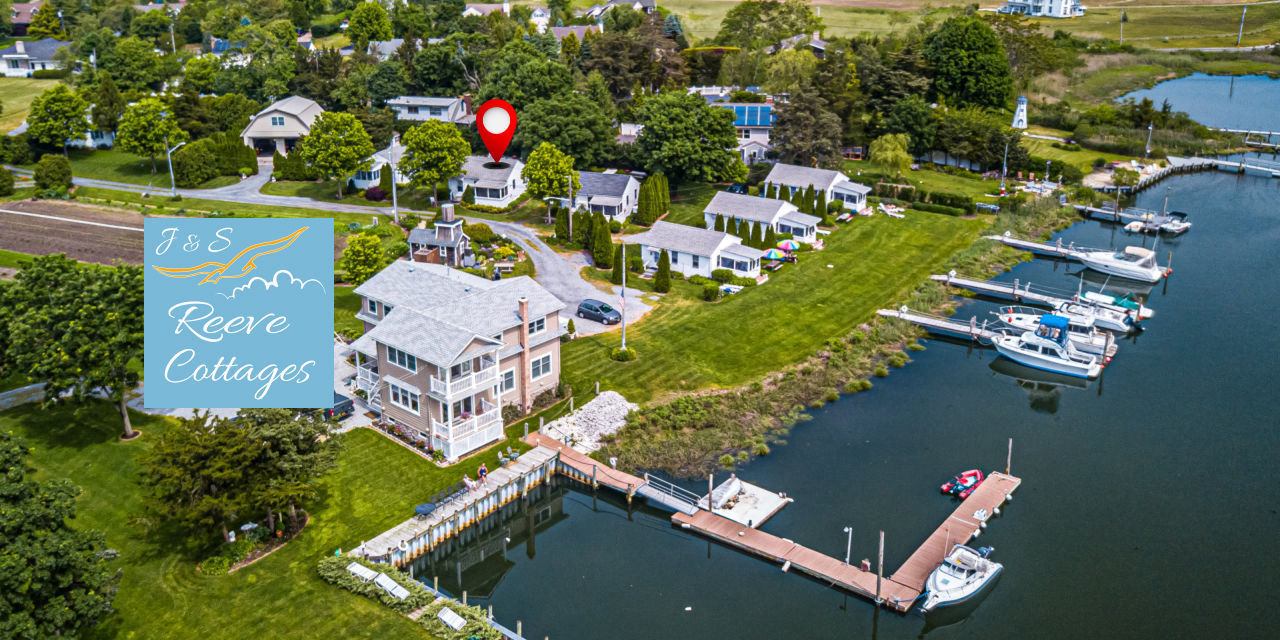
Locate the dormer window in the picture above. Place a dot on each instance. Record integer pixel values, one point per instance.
(277, 121)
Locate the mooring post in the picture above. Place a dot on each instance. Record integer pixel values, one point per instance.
(490, 612)
(1008, 461)
(710, 490)
(629, 494)
(519, 627)
(526, 429)
(464, 596)
(594, 484)
(570, 404)
(880, 569)
(597, 387)
(435, 584)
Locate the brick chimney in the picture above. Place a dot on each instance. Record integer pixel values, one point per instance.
(526, 374)
(466, 104)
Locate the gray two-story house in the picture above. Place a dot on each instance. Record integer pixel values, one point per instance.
(444, 351)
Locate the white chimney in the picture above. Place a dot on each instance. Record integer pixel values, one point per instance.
(506, 8)
(21, 46)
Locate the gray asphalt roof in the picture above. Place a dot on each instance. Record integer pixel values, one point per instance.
(603, 184)
(797, 176)
(420, 284)
(423, 100)
(36, 49)
(679, 237)
(428, 237)
(293, 104)
(854, 187)
(429, 338)
(487, 176)
(744, 251)
(802, 218)
(745, 207)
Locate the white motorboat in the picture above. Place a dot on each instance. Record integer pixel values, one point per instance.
(1050, 349)
(1135, 263)
(1103, 318)
(1081, 330)
(962, 575)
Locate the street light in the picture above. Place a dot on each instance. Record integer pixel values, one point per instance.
(848, 547)
(168, 154)
(1150, 127)
(394, 163)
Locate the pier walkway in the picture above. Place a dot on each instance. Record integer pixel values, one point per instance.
(971, 330)
(581, 467)
(1014, 291)
(900, 590)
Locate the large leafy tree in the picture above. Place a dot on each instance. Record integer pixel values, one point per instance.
(969, 63)
(520, 76)
(548, 173)
(889, 154)
(57, 116)
(133, 64)
(337, 145)
(147, 127)
(46, 24)
(434, 151)
(108, 104)
(264, 66)
(571, 122)
(198, 74)
(806, 133)
(914, 117)
(368, 22)
(294, 451)
(686, 139)
(77, 329)
(597, 91)
(789, 69)
(362, 258)
(757, 23)
(436, 71)
(54, 581)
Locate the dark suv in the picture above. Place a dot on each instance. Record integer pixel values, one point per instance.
(599, 311)
(342, 407)
(738, 187)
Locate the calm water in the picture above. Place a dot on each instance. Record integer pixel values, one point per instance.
(1148, 507)
(1245, 102)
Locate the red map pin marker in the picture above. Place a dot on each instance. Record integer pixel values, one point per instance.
(497, 122)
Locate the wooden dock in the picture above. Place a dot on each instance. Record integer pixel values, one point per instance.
(900, 590)
(1014, 291)
(583, 468)
(1057, 250)
(971, 330)
(1151, 221)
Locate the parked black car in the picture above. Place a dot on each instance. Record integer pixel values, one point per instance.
(738, 187)
(599, 311)
(342, 407)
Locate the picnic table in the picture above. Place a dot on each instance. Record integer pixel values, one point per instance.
(773, 265)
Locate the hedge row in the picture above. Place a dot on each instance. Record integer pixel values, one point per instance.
(333, 569)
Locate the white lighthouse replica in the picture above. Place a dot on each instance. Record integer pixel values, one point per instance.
(1020, 116)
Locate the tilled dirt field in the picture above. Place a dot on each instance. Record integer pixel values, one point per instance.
(66, 231)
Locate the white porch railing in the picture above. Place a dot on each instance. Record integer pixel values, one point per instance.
(367, 376)
(463, 427)
(486, 376)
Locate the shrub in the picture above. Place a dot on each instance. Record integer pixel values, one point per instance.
(236, 551)
(623, 354)
(15, 149)
(194, 163)
(615, 226)
(6, 182)
(50, 74)
(938, 208)
(722, 275)
(53, 173)
(333, 569)
(469, 195)
(880, 371)
(662, 279)
(510, 413)
(711, 292)
(698, 280)
(375, 194)
(476, 628)
(726, 461)
(831, 395)
(1099, 162)
(760, 449)
(396, 250)
(897, 360)
(215, 566)
(544, 399)
(570, 328)
(479, 232)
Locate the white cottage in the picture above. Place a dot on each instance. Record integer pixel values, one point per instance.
(496, 184)
(613, 194)
(696, 252)
(783, 216)
(832, 184)
(382, 161)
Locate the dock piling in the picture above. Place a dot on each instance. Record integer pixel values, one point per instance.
(1008, 461)
(880, 569)
(519, 627)
(464, 598)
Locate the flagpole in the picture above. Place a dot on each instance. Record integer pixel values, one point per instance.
(623, 266)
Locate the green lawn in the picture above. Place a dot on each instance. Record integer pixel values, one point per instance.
(375, 486)
(1082, 159)
(16, 95)
(1182, 26)
(118, 166)
(969, 184)
(688, 344)
(701, 18)
(164, 206)
(346, 304)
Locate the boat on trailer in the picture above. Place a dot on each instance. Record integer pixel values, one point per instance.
(1081, 330)
(1049, 348)
(1135, 263)
(964, 573)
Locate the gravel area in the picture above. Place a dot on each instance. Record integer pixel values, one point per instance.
(583, 428)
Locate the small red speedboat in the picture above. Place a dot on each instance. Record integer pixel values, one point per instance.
(963, 484)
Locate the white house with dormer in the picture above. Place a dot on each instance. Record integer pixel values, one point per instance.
(494, 184)
(1044, 8)
(696, 252)
(833, 185)
(782, 216)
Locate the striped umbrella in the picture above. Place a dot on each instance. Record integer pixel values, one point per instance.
(788, 245)
(774, 254)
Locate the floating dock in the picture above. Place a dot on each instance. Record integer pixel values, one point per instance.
(900, 590)
(972, 330)
(1014, 291)
(1056, 250)
(1150, 221)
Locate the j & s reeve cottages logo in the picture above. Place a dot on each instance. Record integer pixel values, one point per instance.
(239, 313)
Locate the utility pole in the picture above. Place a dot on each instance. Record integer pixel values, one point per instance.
(1005, 169)
(173, 44)
(570, 183)
(393, 163)
(168, 154)
(1243, 9)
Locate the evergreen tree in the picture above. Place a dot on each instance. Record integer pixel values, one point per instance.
(664, 195)
(719, 223)
(562, 225)
(757, 236)
(662, 279)
(582, 229)
(810, 198)
(601, 243)
(618, 266)
(770, 238)
(384, 182)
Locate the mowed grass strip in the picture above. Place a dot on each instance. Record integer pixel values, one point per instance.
(16, 95)
(1183, 26)
(1082, 159)
(375, 486)
(687, 344)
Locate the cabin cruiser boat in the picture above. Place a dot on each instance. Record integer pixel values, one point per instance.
(1049, 348)
(1103, 318)
(1081, 330)
(1135, 263)
(962, 575)
(1127, 302)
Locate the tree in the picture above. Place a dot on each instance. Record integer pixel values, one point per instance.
(598, 92)
(294, 451)
(57, 116)
(562, 225)
(914, 117)
(46, 24)
(368, 22)
(53, 173)
(55, 581)
(147, 129)
(198, 74)
(969, 63)
(434, 151)
(571, 122)
(362, 258)
(662, 279)
(757, 23)
(601, 243)
(889, 154)
(686, 138)
(569, 48)
(549, 174)
(6, 182)
(619, 265)
(806, 133)
(150, 26)
(770, 238)
(108, 104)
(77, 329)
(789, 70)
(132, 63)
(754, 237)
(337, 146)
(520, 78)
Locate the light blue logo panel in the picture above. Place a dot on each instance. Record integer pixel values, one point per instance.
(239, 313)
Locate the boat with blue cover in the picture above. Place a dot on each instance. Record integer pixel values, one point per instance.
(1050, 348)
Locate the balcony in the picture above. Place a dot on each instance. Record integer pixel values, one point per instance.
(462, 427)
(367, 376)
(486, 376)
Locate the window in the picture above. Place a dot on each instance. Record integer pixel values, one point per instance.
(537, 326)
(541, 367)
(386, 310)
(436, 111)
(373, 306)
(726, 263)
(459, 370)
(277, 121)
(675, 257)
(403, 398)
(695, 261)
(506, 382)
(413, 110)
(402, 359)
(461, 408)
(744, 133)
(13, 64)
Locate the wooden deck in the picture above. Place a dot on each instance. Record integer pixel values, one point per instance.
(586, 469)
(900, 590)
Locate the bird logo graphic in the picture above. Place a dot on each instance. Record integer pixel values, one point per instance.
(235, 267)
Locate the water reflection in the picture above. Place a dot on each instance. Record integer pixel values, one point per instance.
(1044, 388)
(958, 613)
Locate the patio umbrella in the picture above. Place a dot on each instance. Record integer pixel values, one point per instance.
(774, 254)
(788, 245)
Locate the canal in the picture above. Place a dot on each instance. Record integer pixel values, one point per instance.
(1234, 102)
(1147, 508)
